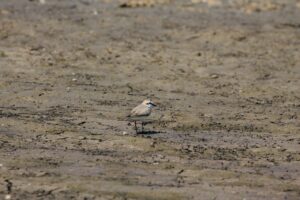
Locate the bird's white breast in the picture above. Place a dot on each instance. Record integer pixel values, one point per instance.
(149, 106)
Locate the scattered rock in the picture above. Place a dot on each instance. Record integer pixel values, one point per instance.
(153, 144)
(41, 174)
(214, 76)
(95, 12)
(211, 92)
(82, 138)
(9, 185)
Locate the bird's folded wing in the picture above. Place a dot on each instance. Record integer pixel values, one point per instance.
(140, 110)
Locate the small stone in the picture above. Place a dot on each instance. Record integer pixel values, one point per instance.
(68, 89)
(207, 115)
(161, 156)
(41, 174)
(1, 165)
(28, 140)
(7, 197)
(125, 133)
(82, 138)
(74, 79)
(4, 12)
(153, 144)
(214, 76)
(95, 12)
(211, 92)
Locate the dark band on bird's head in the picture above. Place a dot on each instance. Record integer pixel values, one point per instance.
(151, 103)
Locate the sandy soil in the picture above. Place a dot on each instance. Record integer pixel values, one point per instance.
(225, 74)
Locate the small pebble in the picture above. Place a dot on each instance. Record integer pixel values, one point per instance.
(214, 76)
(82, 138)
(153, 144)
(125, 133)
(41, 174)
(7, 197)
(95, 12)
(211, 92)
(68, 89)
(74, 79)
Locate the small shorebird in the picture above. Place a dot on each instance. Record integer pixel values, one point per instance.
(140, 112)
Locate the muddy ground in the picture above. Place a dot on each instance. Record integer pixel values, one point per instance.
(225, 74)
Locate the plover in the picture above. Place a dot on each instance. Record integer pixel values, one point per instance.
(140, 113)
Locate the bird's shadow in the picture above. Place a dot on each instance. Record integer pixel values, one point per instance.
(147, 132)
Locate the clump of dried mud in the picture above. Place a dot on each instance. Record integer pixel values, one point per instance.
(224, 73)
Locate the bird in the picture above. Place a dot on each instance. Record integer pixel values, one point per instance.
(141, 112)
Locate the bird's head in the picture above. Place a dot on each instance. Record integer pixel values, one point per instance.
(149, 103)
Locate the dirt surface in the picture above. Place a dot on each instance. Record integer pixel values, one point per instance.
(225, 74)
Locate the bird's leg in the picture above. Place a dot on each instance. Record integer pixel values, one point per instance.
(135, 127)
